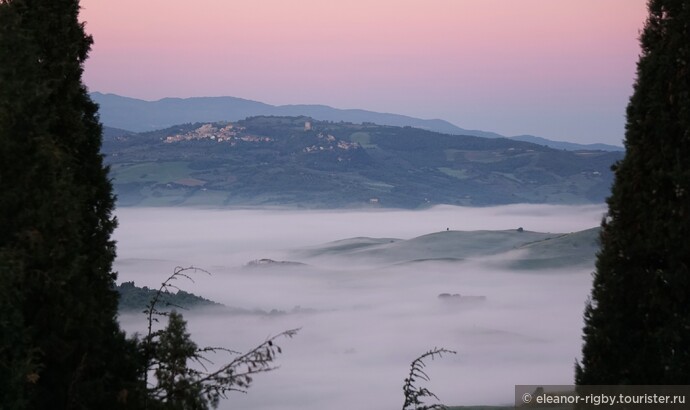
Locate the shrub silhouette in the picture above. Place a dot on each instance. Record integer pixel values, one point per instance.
(182, 379)
(413, 393)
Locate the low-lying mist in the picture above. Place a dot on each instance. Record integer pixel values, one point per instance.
(362, 324)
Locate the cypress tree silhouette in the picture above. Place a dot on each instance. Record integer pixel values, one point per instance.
(61, 346)
(637, 322)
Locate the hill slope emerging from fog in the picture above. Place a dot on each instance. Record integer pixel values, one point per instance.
(514, 249)
(297, 161)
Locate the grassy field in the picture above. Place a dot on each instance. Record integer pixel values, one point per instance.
(530, 251)
(161, 172)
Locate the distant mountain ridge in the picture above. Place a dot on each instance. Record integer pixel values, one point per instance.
(569, 146)
(140, 116)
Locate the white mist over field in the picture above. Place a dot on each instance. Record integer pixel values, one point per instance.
(362, 325)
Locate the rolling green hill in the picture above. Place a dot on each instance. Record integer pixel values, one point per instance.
(298, 161)
(573, 249)
(529, 250)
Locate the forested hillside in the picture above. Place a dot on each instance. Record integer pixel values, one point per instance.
(298, 161)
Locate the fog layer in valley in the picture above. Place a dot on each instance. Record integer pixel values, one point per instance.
(363, 320)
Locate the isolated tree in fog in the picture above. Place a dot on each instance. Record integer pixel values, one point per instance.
(637, 323)
(60, 343)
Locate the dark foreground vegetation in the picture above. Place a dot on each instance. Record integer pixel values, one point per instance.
(637, 324)
(61, 346)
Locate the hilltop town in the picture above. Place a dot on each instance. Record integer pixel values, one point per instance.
(229, 134)
(232, 134)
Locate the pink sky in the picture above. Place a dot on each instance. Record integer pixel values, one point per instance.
(560, 69)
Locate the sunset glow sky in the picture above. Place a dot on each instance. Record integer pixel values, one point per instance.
(559, 69)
